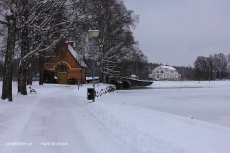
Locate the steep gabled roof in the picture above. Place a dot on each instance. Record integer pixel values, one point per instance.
(76, 56)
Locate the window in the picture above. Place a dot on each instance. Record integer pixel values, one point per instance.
(62, 68)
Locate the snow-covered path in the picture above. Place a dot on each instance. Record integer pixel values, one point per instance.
(116, 122)
(55, 116)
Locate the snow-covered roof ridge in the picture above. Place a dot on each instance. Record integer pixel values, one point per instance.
(168, 67)
(76, 56)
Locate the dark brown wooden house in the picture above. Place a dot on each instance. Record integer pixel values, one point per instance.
(66, 64)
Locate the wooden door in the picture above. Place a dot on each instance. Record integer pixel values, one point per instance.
(62, 78)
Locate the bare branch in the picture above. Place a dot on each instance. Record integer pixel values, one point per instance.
(3, 22)
(41, 50)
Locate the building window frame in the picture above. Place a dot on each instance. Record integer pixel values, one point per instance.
(62, 68)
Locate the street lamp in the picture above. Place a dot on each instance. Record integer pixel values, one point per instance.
(93, 34)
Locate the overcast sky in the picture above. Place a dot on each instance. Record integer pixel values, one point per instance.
(177, 31)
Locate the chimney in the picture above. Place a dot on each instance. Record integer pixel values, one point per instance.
(71, 43)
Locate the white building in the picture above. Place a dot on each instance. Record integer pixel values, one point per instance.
(133, 76)
(165, 73)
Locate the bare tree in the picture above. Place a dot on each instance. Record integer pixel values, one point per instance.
(37, 29)
(115, 23)
(228, 66)
(10, 22)
(135, 63)
(222, 65)
(213, 67)
(202, 68)
(32, 25)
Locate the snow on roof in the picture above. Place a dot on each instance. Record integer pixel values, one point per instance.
(76, 56)
(169, 67)
(72, 51)
(91, 78)
(133, 75)
(74, 44)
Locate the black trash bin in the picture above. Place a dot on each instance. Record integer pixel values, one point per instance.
(90, 93)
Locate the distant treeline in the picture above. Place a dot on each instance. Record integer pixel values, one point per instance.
(216, 66)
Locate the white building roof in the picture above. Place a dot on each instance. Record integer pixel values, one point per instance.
(169, 67)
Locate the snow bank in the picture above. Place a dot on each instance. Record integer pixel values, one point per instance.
(145, 130)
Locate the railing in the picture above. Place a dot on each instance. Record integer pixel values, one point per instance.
(108, 89)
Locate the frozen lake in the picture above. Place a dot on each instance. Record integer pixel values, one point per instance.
(203, 100)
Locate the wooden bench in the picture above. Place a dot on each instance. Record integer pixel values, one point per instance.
(32, 90)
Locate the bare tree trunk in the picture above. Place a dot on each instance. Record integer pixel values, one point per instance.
(24, 64)
(22, 76)
(41, 74)
(30, 76)
(41, 71)
(8, 65)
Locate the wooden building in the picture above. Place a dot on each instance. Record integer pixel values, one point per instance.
(65, 64)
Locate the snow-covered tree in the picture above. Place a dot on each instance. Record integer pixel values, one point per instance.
(114, 23)
(35, 27)
(38, 26)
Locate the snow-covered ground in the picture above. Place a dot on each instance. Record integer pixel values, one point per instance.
(155, 119)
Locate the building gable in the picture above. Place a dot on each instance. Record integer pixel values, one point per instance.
(64, 56)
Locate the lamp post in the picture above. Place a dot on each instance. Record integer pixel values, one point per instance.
(98, 63)
(93, 34)
(80, 57)
(209, 69)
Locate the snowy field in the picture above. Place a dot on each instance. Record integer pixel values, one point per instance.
(154, 119)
